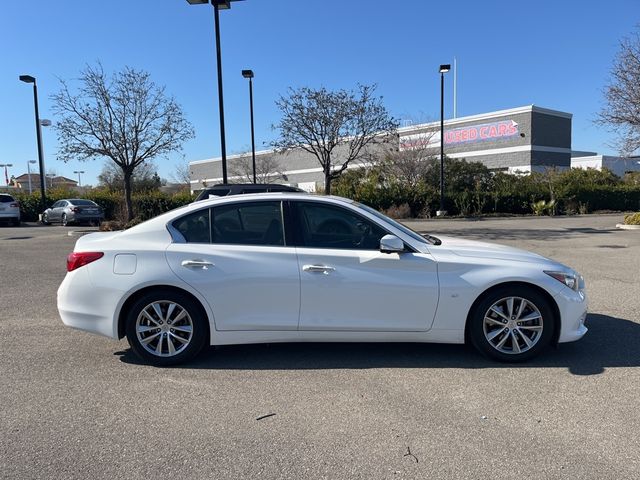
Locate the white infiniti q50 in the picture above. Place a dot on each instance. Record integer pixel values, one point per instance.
(288, 267)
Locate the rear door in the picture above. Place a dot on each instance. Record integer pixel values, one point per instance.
(56, 210)
(237, 257)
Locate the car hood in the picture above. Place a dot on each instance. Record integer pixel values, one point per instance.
(472, 248)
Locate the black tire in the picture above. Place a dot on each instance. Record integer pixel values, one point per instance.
(45, 219)
(16, 222)
(63, 220)
(489, 328)
(198, 322)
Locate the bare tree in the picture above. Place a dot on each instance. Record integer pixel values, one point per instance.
(182, 173)
(126, 118)
(413, 162)
(144, 178)
(335, 127)
(622, 95)
(268, 169)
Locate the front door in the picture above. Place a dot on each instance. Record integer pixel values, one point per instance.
(236, 257)
(347, 284)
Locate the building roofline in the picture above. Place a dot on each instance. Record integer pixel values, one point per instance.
(487, 116)
(231, 157)
(412, 128)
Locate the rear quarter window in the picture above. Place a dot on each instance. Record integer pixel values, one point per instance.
(195, 227)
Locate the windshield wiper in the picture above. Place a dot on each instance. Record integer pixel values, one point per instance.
(432, 240)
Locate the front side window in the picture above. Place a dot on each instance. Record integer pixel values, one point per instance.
(249, 223)
(194, 227)
(328, 226)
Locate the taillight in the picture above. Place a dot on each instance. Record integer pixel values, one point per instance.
(75, 210)
(80, 259)
(16, 204)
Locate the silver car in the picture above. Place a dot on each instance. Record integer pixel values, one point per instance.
(73, 210)
(9, 209)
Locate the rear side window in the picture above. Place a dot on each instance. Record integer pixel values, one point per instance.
(249, 223)
(195, 226)
(6, 199)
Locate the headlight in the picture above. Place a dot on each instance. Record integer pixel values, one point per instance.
(571, 279)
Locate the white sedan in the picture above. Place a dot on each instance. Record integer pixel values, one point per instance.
(288, 267)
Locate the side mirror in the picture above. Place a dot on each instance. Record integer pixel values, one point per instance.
(391, 244)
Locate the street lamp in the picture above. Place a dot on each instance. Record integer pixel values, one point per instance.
(443, 69)
(30, 79)
(79, 172)
(249, 74)
(29, 163)
(51, 176)
(217, 6)
(6, 175)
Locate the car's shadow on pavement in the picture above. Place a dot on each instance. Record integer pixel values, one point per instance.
(610, 342)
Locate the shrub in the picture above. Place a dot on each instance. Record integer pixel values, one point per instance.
(398, 211)
(542, 207)
(632, 219)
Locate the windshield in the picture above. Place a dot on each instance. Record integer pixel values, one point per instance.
(415, 235)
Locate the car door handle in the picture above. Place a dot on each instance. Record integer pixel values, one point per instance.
(318, 268)
(203, 264)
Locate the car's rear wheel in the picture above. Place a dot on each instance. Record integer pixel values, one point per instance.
(64, 220)
(16, 222)
(512, 324)
(166, 328)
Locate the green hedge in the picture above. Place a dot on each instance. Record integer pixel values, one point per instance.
(145, 205)
(471, 189)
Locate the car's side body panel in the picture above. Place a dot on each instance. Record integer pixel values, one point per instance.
(365, 290)
(248, 287)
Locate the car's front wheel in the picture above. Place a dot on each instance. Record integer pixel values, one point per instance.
(512, 324)
(45, 219)
(166, 328)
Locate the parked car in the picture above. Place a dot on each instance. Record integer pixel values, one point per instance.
(73, 210)
(298, 268)
(9, 209)
(224, 189)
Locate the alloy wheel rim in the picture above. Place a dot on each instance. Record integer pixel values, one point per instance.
(164, 328)
(513, 325)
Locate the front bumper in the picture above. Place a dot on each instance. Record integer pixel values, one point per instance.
(573, 313)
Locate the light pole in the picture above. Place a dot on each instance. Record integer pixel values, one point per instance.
(249, 74)
(29, 163)
(443, 69)
(79, 172)
(30, 79)
(217, 6)
(6, 175)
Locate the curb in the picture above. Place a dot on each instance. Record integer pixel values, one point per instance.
(73, 233)
(622, 226)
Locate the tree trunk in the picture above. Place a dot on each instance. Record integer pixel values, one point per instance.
(327, 180)
(127, 194)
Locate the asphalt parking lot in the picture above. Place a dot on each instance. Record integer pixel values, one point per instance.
(74, 405)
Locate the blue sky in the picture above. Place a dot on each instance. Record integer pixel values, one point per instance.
(555, 54)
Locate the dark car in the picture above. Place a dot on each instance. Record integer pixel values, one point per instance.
(73, 210)
(222, 190)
